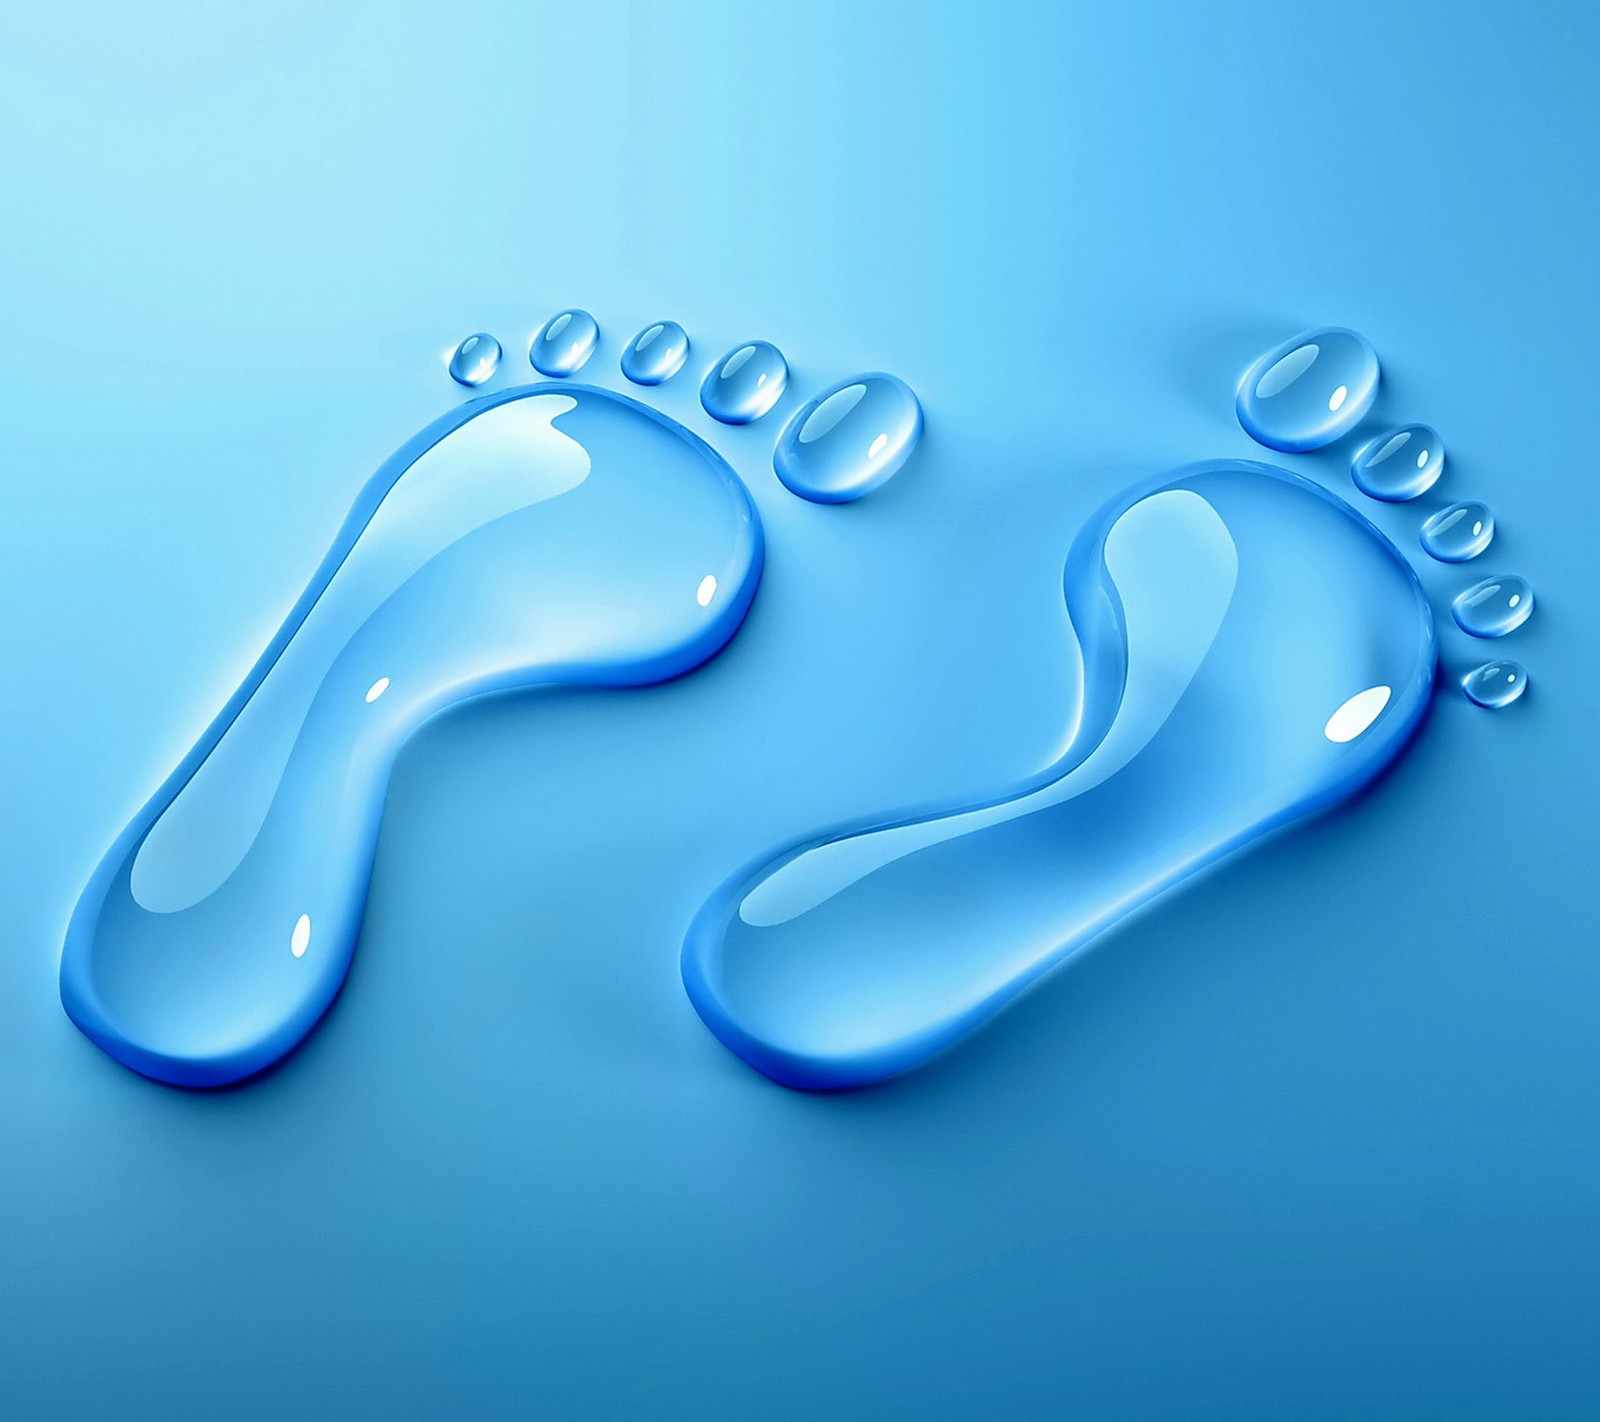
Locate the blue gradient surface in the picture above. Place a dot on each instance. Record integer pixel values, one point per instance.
(1315, 1137)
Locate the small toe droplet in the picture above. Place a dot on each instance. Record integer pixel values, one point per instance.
(1460, 532)
(1399, 464)
(1494, 606)
(564, 343)
(656, 354)
(745, 383)
(475, 359)
(1495, 684)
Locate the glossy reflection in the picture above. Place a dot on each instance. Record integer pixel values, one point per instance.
(657, 353)
(1309, 391)
(1460, 532)
(1253, 651)
(1399, 464)
(1494, 606)
(1495, 684)
(475, 359)
(745, 383)
(547, 534)
(849, 440)
(564, 343)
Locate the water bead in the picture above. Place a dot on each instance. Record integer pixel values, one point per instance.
(1495, 684)
(1309, 391)
(1460, 532)
(745, 383)
(475, 359)
(849, 440)
(1399, 464)
(657, 353)
(1493, 607)
(564, 343)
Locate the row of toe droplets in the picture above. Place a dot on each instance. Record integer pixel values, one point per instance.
(1311, 390)
(839, 446)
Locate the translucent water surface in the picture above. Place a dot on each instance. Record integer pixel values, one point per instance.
(1253, 651)
(545, 534)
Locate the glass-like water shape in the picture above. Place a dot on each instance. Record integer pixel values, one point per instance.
(475, 359)
(656, 354)
(543, 534)
(564, 343)
(1493, 607)
(1457, 533)
(1253, 651)
(1309, 391)
(745, 383)
(1399, 464)
(849, 440)
(1495, 684)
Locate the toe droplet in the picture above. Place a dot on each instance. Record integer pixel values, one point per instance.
(1495, 684)
(1460, 532)
(1399, 464)
(745, 383)
(475, 359)
(1493, 607)
(849, 440)
(1309, 391)
(564, 343)
(656, 354)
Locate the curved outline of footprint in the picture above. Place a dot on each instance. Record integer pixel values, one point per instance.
(221, 924)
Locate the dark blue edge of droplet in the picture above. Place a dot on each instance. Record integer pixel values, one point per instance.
(79, 998)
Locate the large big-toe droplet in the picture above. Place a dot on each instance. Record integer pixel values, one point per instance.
(1309, 391)
(1253, 651)
(850, 440)
(546, 534)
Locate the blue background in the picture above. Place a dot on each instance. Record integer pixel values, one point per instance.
(1315, 1137)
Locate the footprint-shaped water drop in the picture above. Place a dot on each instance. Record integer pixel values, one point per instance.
(1460, 532)
(1399, 464)
(849, 440)
(475, 359)
(1310, 390)
(564, 343)
(745, 383)
(1495, 684)
(657, 353)
(1493, 607)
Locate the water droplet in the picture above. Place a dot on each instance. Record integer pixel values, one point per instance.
(657, 353)
(1458, 533)
(475, 359)
(564, 343)
(1399, 464)
(745, 383)
(849, 440)
(1495, 684)
(1253, 651)
(536, 535)
(1493, 607)
(1309, 391)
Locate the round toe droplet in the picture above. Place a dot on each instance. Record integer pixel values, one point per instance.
(656, 354)
(1495, 684)
(1309, 391)
(745, 383)
(564, 343)
(1494, 606)
(1460, 532)
(1399, 464)
(850, 440)
(475, 359)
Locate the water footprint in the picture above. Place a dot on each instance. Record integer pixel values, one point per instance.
(1254, 651)
(538, 534)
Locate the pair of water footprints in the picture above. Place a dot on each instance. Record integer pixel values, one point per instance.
(1253, 651)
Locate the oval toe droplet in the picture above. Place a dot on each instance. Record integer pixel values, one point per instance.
(849, 440)
(475, 359)
(1495, 684)
(1494, 606)
(745, 383)
(1460, 532)
(1399, 464)
(1309, 391)
(656, 354)
(564, 343)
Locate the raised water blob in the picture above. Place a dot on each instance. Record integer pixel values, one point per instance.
(1460, 532)
(849, 440)
(657, 353)
(1494, 606)
(564, 343)
(1309, 391)
(1399, 464)
(475, 359)
(1495, 684)
(745, 383)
